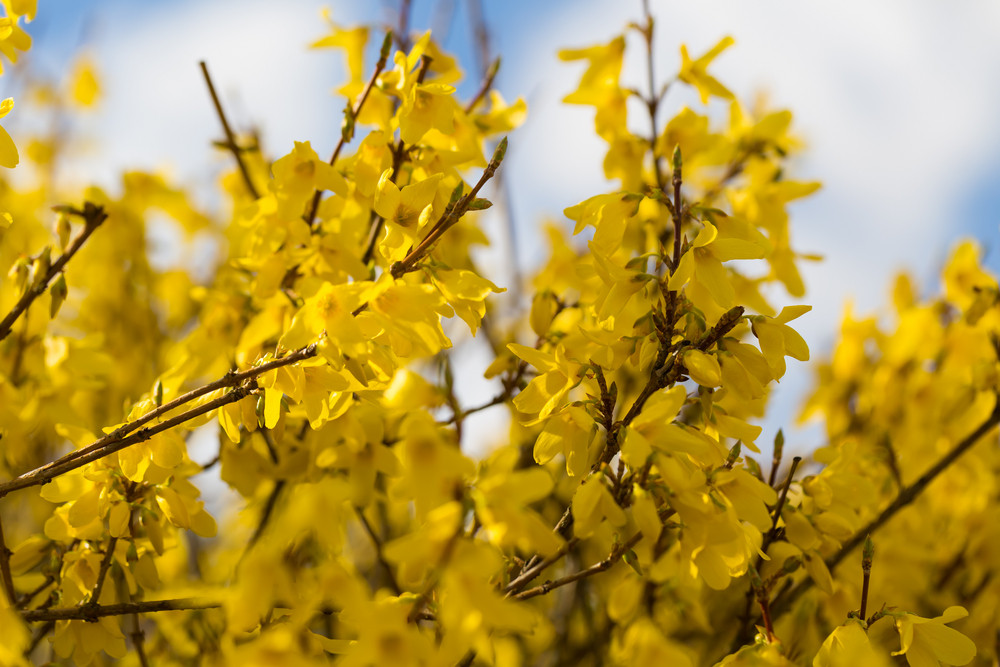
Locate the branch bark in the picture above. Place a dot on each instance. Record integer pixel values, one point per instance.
(117, 440)
(93, 216)
(94, 612)
(905, 497)
(230, 138)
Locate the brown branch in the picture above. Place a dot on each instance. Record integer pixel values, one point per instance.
(102, 574)
(745, 620)
(266, 514)
(399, 154)
(452, 216)
(138, 642)
(26, 598)
(93, 215)
(905, 497)
(487, 85)
(347, 130)
(62, 466)
(653, 100)
(376, 222)
(866, 572)
(5, 574)
(665, 373)
(94, 612)
(38, 636)
(777, 452)
(403, 26)
(532, 570)
(615, 556)
(678, 212)
(776, 514)
(230, 138)
(462, 414)
(379, 556)
(116, 440)
(418, 604)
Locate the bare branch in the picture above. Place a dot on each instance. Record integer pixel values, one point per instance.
(604, 565)
(347, 130)
(905, 497)
(94, 612)
(93, 215)
(5, 575)
(230, 138)
(116, 440)
(449, 219)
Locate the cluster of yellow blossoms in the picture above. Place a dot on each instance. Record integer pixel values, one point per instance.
(623, 519)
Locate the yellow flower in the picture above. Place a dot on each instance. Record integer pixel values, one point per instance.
(406, 210)
(777, 339)
(696, 73)
(8, 151)
(599, 85)
(353, 42)
(928, 642)
(848, 645)
(702, 265)
(426, 106)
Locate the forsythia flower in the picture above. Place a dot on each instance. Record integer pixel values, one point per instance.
(696, 73)
(8, 151)
(928, 642)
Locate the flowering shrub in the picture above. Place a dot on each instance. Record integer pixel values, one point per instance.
(628, 517)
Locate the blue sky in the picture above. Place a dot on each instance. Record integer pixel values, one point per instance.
(896, 101)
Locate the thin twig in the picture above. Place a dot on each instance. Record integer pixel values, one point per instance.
(487, 85)
(230, 138)
(449, 219)
(38, 636)
(425, 595)
(752, 594)
(116, 440)
(93, 215)
(776, 514)
(266, 513)
(399, 155)
(138, 642)
(5, 574)
(531, 571)
(26, 598)
(866, 573)
(102, 574)
(94, 612)
(59, 467)
(403, 26)
(596, 568)
(379, 556)
(653, 100)
(347, 131)
(905, 497)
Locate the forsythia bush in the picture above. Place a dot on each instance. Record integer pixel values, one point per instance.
(628, 517)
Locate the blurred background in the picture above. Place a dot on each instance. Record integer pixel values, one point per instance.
(895, 102)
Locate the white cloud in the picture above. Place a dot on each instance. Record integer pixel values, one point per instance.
(895, 99)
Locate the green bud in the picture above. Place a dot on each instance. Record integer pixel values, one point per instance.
(383, 55)
(734, 453)
(63, 231)
(58, 292)
(499, 153)
(632, 560)
(867, 552)
(347, 125)
(478, 204)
